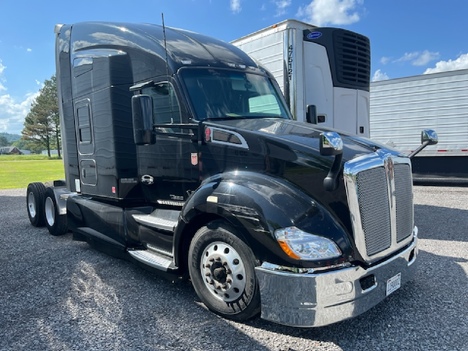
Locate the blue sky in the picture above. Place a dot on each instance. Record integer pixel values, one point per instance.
(408, 37)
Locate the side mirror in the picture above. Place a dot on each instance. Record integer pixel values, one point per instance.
(331, 144)
(142, 115)
(311, 114)
(428, 137)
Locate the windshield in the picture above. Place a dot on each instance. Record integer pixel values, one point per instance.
(232, 94)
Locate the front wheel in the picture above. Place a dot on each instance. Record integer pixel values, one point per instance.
(55, 222)
(222, 270)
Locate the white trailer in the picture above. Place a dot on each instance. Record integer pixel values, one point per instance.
(324, 73)
(401, 107)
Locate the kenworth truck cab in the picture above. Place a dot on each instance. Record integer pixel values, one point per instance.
(180, 154)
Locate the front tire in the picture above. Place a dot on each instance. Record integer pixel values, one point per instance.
(222, 270)
(35, 203)
(54, 221)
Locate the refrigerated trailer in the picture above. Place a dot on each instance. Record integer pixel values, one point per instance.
(324, 73)
(400, 107)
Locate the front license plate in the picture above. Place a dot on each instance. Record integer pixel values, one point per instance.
(393, 283)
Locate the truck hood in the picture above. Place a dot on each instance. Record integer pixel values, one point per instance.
(279, 151)
(296, 136)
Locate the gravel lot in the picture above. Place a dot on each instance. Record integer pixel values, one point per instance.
(59, 294)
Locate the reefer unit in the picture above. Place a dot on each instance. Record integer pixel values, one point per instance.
(323, 71)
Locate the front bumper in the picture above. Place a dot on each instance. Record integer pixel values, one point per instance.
(318, 299)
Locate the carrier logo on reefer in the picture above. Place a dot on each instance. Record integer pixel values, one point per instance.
(314, 35)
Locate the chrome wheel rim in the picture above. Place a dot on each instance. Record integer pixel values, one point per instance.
(49, 212)
(223, 271)
(31, 204)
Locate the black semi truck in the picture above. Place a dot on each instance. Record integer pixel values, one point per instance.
(180, 153)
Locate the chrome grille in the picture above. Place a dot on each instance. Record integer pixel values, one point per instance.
(404, 201)
(380, 198)
(374, 209)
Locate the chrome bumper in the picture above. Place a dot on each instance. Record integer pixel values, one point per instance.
(318, 299)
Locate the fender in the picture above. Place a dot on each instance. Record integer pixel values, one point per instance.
(61, 193)
(258, 204)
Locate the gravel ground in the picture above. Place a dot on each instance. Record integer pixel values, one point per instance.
(59, 294)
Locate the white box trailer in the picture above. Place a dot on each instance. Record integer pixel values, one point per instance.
(399, 108)
(323, 71)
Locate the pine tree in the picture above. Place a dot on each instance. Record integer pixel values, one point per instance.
(42, 124)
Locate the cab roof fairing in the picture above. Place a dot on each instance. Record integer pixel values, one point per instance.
(182, 48)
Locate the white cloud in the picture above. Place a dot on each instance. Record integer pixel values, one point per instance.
(408, 56)
(235, 6)
(451, 65)
(384, 60)
(425, 57)
(29, 50)
(281, 6)
(2, 80)
(331, 12)
(379, 75)
(418, 58)
(12, 111)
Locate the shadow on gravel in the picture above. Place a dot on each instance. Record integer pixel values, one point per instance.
(441, 223)
(58, 294)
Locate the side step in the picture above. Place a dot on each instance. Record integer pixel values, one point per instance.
(165, 220)
(153, 259)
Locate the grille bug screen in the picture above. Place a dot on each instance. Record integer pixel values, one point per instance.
(374, 209)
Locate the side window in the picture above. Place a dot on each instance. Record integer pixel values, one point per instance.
(166, 109)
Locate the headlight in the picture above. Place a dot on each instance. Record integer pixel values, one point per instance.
(300, 245)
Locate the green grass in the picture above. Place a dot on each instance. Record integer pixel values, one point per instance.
(17, 171)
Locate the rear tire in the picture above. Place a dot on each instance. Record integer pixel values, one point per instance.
(35, 203)
(55, 222)
(222, 270)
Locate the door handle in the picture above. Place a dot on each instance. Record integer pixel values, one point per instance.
(147, 179)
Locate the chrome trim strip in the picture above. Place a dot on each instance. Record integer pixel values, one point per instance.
(171, 203)
(242, 145)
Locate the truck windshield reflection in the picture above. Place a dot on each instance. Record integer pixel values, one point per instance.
(217, 93)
